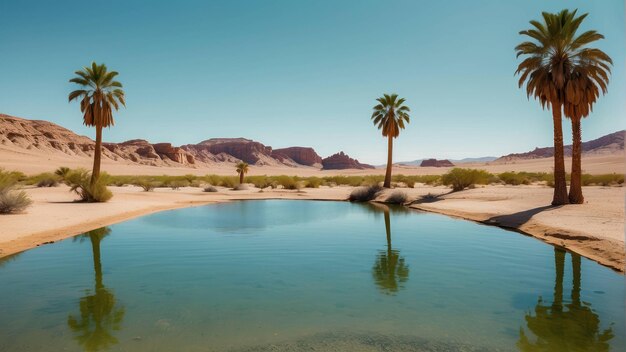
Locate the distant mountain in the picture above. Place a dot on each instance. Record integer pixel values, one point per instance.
(484, 159)
(608, 144)
(46, 137)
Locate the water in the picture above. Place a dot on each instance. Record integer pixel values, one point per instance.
(303, 275)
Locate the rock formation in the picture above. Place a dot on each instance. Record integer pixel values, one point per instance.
(300, 155)
(436, 163)
(341, 161)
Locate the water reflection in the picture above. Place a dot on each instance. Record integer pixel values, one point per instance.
(99, 315)
(564, 327)
(390, 271)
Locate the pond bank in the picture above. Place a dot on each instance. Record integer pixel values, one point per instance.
(594, 229)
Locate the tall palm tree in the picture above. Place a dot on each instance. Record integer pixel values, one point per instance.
(588, 71)
(100, 93)
(242, 169)
(389, 116)
(546, 71)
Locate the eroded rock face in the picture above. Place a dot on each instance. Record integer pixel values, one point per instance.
(436, 163)
(176, 154)
(301, 155)
(243, 149)
(342, 161)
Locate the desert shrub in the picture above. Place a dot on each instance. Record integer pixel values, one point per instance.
(210, 189)
(261, 181)
(189, 178)
(428, 179)
(240, 187)
(13, 201)
(407, 180)
(7, 180)
(62, 171)
(46, 180)
(79, 181)
(353, 181)
(229, 182)
(177, 184)
(196, 183)
(513, 178)
(364, 193)
(602, 180)
(430, 197)
(288, 182)
(461, 179)
(396, 197)
(313, 182)
(147, 185)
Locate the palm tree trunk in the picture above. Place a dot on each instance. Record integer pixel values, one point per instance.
(575, 187)
(97, 155)
(241, 178)
(387, 183)
(560, 186)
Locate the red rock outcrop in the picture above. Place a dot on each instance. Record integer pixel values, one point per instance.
(342, 161)
(301, 155)
(243, 149)
(176, 154)
(436, 163)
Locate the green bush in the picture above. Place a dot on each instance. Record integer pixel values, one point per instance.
(261, 181)
(47, 180)
(602, 180)
(177, 184)
(313, 182)
(7, 180)
(146, 184)
(12, 201)
(460, 179)
(79, 181)
(62, 172)
(288, 182)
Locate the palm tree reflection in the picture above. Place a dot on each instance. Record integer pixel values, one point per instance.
(390, 271)
(570, 327)
(99, 315)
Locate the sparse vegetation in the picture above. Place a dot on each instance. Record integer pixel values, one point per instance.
(12, 200)
(240, 187)
(365, 193)
(460, 179)
(396, 197)
(177, 184)
(62, 172)
(147, 185)
(47, 180)
(210, 189)
(79, 181)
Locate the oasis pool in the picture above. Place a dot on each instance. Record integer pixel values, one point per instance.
(283, 275)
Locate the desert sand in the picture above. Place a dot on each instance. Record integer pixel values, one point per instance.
(594, 229)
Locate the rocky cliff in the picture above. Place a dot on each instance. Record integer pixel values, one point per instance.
(301, 155)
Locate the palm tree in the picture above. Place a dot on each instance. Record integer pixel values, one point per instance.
(389, 116)
(546, 71)
(99, 95)
(100, 314)
(587, 75)
(242, 169)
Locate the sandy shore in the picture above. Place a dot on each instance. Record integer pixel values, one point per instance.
(594, 230)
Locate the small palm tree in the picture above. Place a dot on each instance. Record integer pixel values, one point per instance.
(242, 169)
(390, 116)
(99, 95)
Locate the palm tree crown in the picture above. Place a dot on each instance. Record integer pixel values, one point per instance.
(559, 69)
(242, 168)
(390, 115)
(100, 94)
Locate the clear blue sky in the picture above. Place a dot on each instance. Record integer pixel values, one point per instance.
(300, 72)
